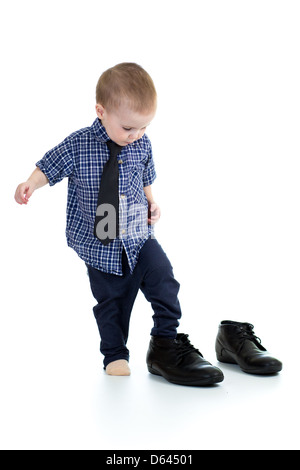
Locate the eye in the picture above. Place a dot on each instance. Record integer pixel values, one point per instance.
(127, 128)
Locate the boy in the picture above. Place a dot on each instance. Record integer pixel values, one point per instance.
(110, 216)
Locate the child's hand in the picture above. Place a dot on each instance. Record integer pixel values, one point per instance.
(23, 192)
(154, 213)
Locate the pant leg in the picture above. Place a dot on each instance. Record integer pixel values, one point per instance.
(115, 296)
(160, 288)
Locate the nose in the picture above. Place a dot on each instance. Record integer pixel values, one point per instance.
(134, 135)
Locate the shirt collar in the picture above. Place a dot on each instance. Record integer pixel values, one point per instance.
(99, 131)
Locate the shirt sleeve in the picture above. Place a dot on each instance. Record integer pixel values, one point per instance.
(57, 163)
(149, 174)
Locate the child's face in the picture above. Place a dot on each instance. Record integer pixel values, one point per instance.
(124, 126)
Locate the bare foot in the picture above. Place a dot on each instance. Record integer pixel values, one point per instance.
(118, 368)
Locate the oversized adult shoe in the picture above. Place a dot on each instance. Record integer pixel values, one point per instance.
(180, 363)
(237, 344)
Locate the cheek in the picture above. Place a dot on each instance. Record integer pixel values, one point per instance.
(124, 134)
(119, 133)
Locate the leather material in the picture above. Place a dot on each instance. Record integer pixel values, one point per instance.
(236, 343)
(180, 363)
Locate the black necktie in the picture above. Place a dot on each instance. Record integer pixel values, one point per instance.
(107, 216)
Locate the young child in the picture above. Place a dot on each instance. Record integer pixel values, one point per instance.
(113, 234)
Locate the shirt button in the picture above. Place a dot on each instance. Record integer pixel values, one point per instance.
(120, 162)
(123, 196)
(123, 231)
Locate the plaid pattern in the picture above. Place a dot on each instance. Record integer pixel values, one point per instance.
(81, 157)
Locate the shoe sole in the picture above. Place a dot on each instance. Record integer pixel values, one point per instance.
(262, 371)
(270, 371)
(198, 383)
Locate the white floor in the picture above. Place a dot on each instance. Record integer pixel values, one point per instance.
(55, 395)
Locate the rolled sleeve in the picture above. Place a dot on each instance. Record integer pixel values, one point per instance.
(149, 174)
(57, 164)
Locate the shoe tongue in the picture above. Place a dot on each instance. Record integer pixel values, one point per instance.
(182, 337)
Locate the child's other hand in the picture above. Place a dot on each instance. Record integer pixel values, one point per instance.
(23, 193)
(154, 213)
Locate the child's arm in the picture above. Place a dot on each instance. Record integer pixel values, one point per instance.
(25, 190)
(154, 210)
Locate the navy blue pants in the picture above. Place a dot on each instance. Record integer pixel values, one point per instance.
(115, 295)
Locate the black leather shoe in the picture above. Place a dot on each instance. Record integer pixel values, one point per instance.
(237, 344)
(180, 363)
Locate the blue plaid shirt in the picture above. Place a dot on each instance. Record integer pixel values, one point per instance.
(81, 157)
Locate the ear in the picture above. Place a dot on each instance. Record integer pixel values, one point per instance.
(100, 110)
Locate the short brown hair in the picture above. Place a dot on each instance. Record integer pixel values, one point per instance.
(126, 82)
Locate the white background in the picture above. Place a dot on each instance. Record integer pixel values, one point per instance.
(226, 147)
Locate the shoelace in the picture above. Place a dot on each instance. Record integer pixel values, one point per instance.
(184, 346)
(247, 332)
